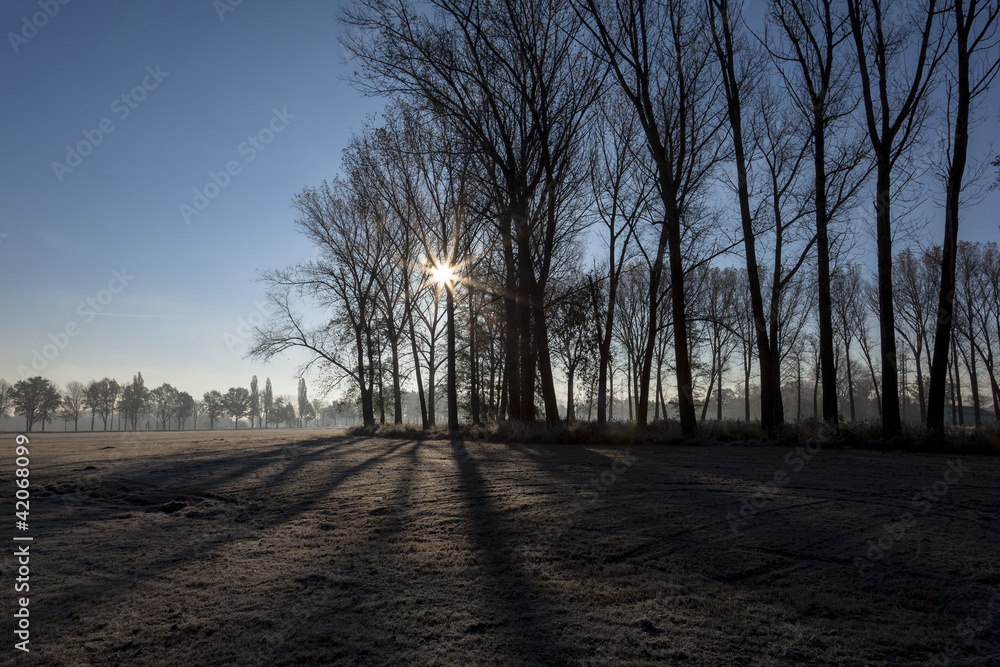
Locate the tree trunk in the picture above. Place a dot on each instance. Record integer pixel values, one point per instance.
(850, 380)
(474, 362)
(544, 361)
(570, 412)
(889, 403)
(826, 351)
(970, 361)
(958, 383)
(769, 382)
(452, 360)
(953, 191)
(711, 385)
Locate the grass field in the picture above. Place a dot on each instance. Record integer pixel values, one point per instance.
(306, 547)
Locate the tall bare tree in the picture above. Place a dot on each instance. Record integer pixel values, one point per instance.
(898, 50)
(819, 79)
(662, 66)
(343, 279)
(510, 77)
(975, 63)
(72, 402)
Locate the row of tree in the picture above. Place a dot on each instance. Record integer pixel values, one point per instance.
(567, 180)
(39, 401)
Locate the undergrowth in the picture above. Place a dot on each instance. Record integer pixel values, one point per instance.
(865, 435)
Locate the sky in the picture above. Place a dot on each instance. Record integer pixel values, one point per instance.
(150, 154)
(114, 115)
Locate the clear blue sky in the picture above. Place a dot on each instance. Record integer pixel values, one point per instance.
(211, 84)
(197, 87)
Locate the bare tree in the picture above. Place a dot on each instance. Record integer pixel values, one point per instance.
(135, 399)
(37, 399)
(740, 73)
(185, 407)
(73, 402)
(164, 401)
(621, 192)
(343, 279)
(897, 57)
(818, 76)
(105, 394)
(5, 403)
(663, 68)
(914, 293)
(214, 407)
(509, 77)
(235, 403)
(719, 303)
(976, 61)
(982, 298)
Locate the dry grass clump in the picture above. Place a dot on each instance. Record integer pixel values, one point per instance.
(865, 435)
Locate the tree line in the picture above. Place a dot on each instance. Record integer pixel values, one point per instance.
(40, 401)
(560, 192)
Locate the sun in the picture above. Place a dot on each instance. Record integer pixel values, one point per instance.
(443, 274)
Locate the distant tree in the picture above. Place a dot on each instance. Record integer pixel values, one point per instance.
(288, 414)
(185, 407)
(135, 399)
(37, 399)
(197, 409)
(106, 393)
(163, 401)
(254, 407)
(236, 402)
(847, 290)
(4, 398)
(92, 400)
(73, 402)
(214, 407)
(305, 408)
(277, 411)
(268, 401)
(621, 196)
(574, 337)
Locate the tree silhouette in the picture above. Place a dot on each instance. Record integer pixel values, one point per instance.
(36, 399)
(214, 406)
(235, 403)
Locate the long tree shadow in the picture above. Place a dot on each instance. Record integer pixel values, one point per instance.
(217, 530)
(512, 595)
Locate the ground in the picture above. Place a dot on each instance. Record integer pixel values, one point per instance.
(298, 547)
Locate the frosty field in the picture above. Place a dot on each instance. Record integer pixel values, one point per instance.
(297, 547)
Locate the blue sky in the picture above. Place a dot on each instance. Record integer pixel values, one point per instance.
(201, 92)
(204, 91)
